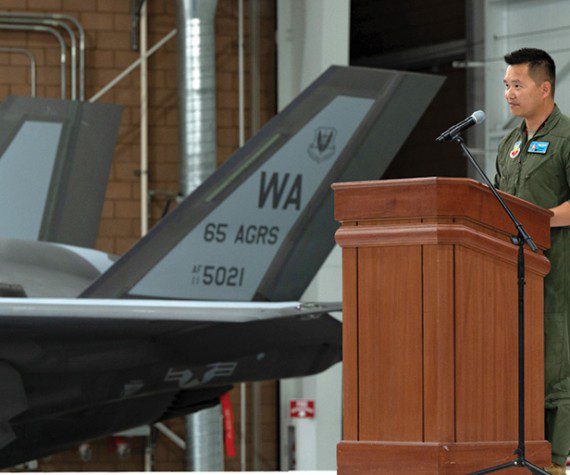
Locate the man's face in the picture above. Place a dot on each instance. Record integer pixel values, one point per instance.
(524, 96)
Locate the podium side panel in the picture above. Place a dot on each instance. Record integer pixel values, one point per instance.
(390, 342)
(438, 365)
(486, 347)
(534, 356)
(349, 344)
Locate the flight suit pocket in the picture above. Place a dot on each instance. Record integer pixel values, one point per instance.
(541, 181)
(547, 168)
(503, 183)
(508, 175)
(555, 348)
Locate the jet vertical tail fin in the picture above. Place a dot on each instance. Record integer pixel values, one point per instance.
(260, 227)
(55, 157)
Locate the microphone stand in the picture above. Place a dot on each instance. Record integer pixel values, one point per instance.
(522, 237)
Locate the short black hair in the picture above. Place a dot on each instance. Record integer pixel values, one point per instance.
(538, 61)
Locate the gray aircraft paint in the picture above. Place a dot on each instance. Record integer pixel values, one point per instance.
(215, 269)
(98, 259)
(46, 269)
(55, 157)
(37, 309)
(399, 100)
(24, 192)
(80, 361)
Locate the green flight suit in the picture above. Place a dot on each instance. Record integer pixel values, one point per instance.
(544, 179)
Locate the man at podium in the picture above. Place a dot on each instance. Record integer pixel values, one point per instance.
(533, 163)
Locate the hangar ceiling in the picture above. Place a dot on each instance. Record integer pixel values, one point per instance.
(384, 26)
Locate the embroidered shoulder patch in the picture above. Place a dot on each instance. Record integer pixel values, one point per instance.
(516, 149)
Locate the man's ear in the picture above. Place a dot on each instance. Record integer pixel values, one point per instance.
(546, 88)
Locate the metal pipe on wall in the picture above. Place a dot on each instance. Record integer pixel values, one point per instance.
(149, 450)
(144, 118)
(30, 56)
(254, 125)
(171, 435)
(54, 32)
(197, 132)
(241, 114)
(55, 23)
(196, 91)
(130, 68)
(204, 441)
(81, 31)
(254, 65)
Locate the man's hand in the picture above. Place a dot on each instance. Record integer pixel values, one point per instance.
(561, 215)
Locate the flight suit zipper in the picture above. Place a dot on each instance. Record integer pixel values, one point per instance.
(525, 141)
(518, 182)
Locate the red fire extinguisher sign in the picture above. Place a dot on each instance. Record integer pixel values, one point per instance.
(302, 409)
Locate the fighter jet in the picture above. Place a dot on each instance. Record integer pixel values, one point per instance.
(92, 344)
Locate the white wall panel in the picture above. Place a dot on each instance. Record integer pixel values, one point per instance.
(311, 36)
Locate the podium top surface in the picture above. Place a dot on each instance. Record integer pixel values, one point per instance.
(437, 197)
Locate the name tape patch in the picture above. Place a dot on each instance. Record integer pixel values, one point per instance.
(538, 147)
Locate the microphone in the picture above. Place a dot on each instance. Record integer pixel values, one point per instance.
(476, 118)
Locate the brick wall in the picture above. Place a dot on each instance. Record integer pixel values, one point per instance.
(108, 52)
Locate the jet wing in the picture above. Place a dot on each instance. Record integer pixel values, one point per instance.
(74, 370)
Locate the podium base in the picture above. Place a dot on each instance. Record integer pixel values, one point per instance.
(387, 458)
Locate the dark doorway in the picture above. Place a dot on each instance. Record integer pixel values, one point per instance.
(423, 36)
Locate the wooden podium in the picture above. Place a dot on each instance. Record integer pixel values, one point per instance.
(430, 327)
